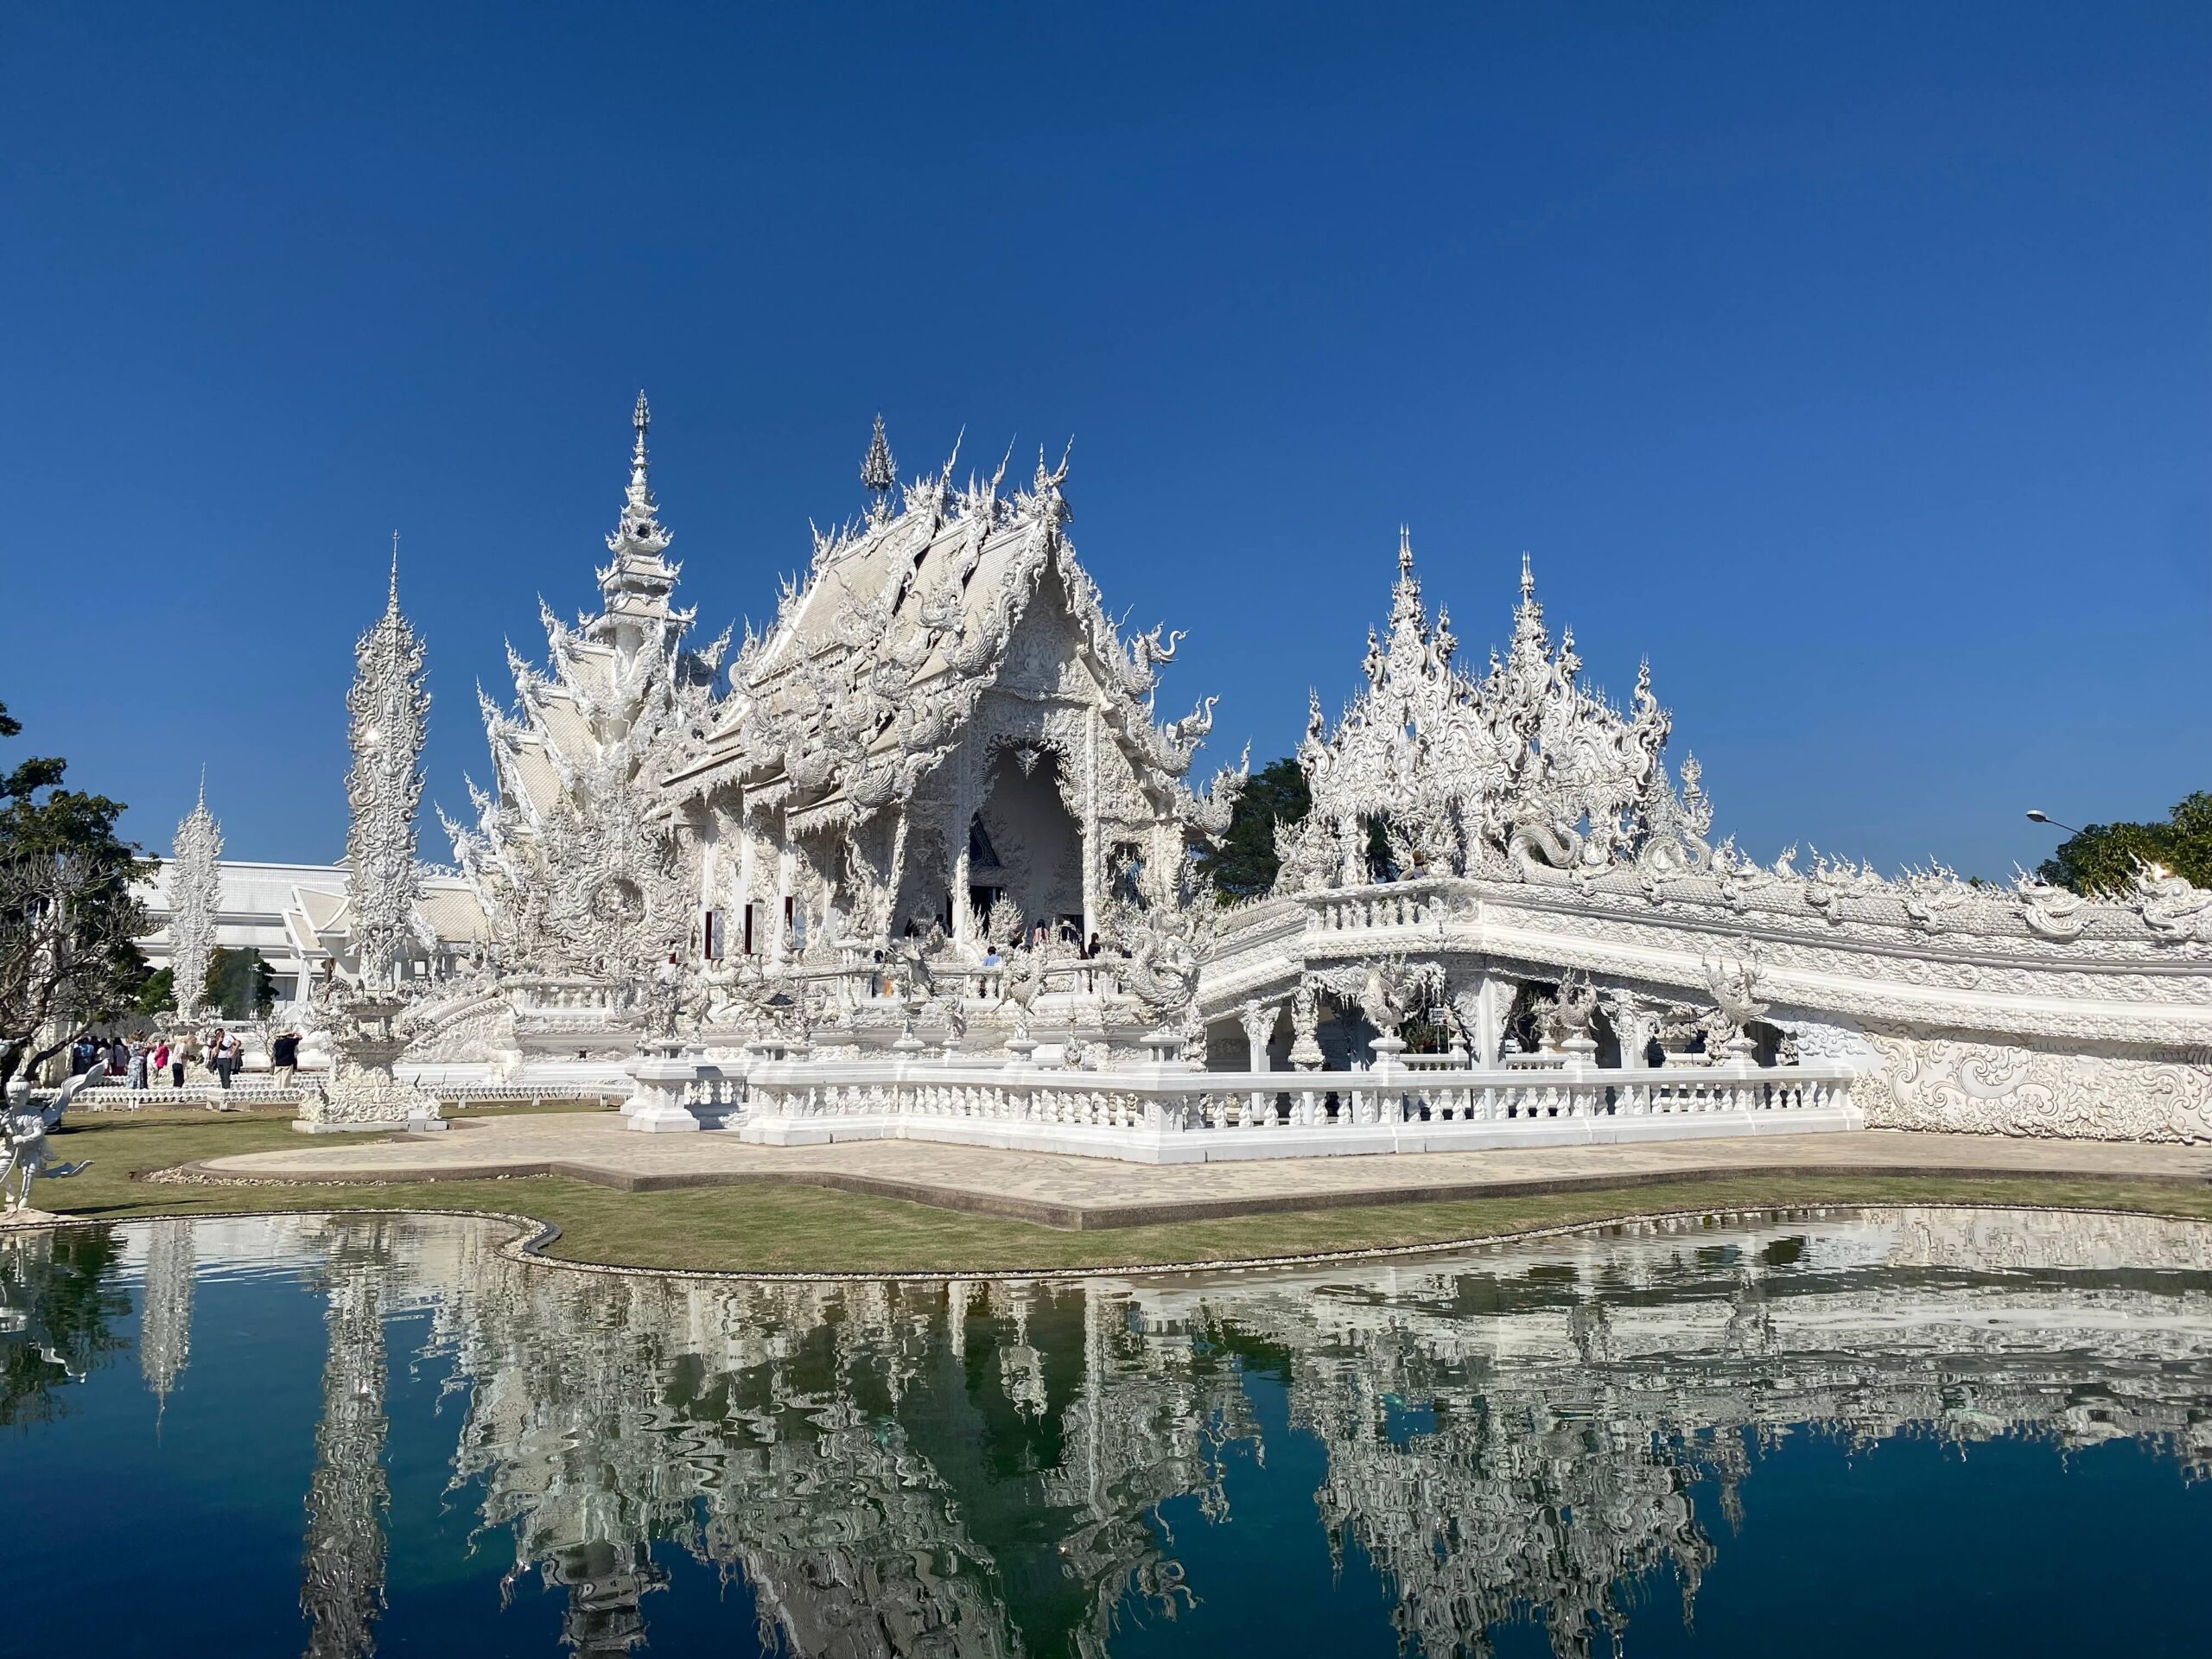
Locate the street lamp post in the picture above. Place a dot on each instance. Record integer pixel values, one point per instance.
(2037, 816)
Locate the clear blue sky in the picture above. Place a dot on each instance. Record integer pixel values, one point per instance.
(1852, 362)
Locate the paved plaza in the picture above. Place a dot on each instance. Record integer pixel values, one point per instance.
(1089, 1193)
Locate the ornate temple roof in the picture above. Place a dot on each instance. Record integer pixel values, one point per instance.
(571, 846)
(617, 682)
(1465, 770)
(876, 658)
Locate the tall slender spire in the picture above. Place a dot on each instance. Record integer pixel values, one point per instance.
(1531, 643)
(391, 604)
(389, 706)
(196, 893)
(880, 472)
(638, 532)
(1405, 593)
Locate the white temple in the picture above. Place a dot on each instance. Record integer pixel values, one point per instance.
(916, 862)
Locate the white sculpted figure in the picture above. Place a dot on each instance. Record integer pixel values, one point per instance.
(1735, 989)
(2172, 907)
(1571, 1012)
(1022, 983)
(1165, 945)
(25, 1127)
(1396, 990)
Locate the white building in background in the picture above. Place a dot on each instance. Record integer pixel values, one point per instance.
(295, 916)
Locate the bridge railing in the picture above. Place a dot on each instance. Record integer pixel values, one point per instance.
(1162, 1099)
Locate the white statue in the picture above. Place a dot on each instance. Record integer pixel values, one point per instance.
(25, 1127)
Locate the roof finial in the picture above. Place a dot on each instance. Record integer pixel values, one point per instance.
(203, 784)
(1405, 550)
(640, 531)
(880, 470)
(393, 600)
(642, 418)
(1527, 580)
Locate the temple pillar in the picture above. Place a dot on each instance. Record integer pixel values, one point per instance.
(1258, 1019)
(955, 842)
(1305, 1027)
(779, 925)
(1161, 876)
(745, 871)
(1090, 859)
(1483, 1008)
(1635, 1022)
(710, 871)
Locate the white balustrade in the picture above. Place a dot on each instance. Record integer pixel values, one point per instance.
(1164, 1113)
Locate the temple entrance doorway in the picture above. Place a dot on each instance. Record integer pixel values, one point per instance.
(1024, 848)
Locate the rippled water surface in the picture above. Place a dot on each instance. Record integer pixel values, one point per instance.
(1899, 1430)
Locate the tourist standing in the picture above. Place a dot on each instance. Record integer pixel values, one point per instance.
(161, 1063)
(223, 1053)
(284, 1057)
(138, 1054)
(118, 1057)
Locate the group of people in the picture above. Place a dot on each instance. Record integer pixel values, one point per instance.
(143, 1060)
(1041, 937)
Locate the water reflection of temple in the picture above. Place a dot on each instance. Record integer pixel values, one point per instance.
(976, 1469)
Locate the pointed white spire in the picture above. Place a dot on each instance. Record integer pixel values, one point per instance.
(389, 706)
(195, 894)
(638, 532)
(1406, 612)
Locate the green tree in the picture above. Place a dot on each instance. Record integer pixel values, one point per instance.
(1244, 865)
(2102, 858)
(159, 992)
(68, 924)
(239, 983)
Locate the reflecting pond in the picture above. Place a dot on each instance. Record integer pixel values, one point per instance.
(1813, 1432)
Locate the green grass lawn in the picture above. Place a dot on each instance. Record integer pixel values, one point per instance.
(771, 1227)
